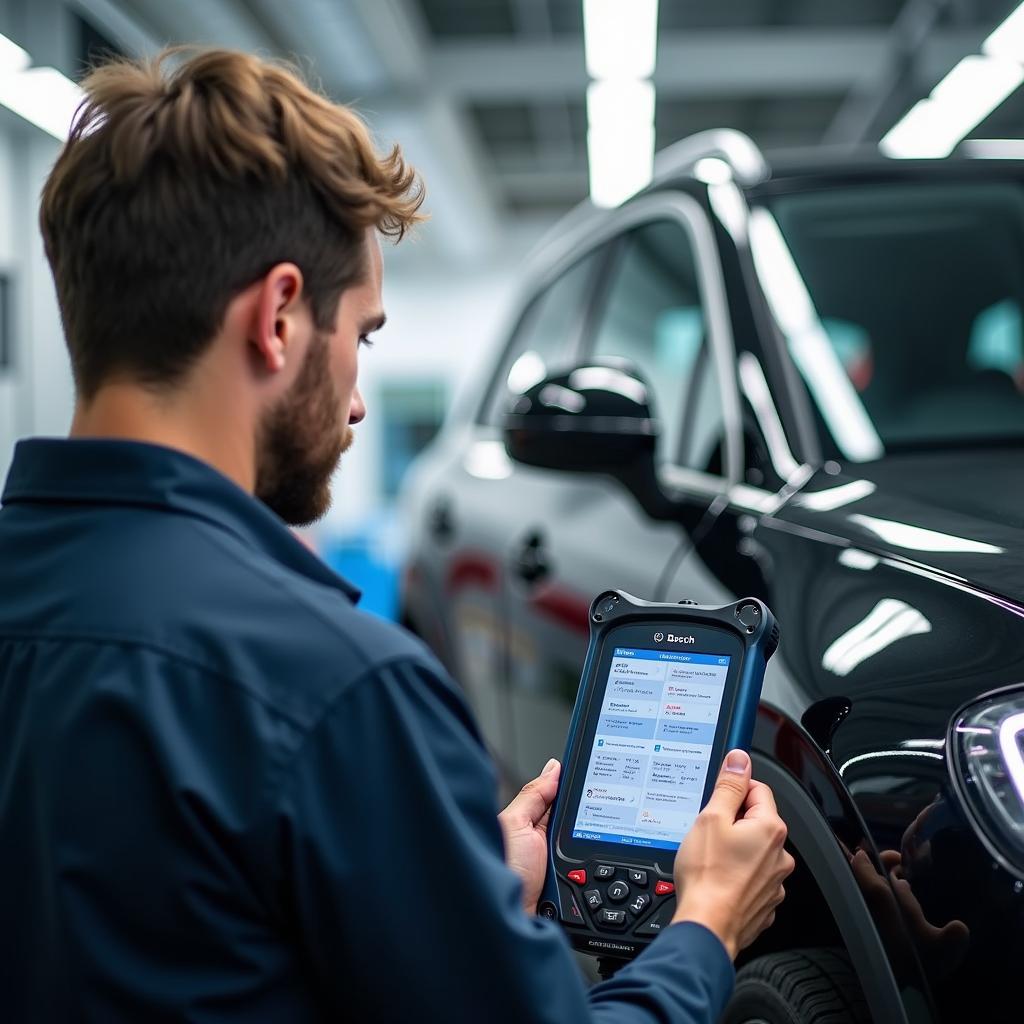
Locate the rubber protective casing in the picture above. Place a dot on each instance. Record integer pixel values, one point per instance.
(758, 645)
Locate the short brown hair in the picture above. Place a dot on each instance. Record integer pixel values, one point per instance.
(180, 186)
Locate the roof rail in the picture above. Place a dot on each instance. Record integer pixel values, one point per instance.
(739, 151)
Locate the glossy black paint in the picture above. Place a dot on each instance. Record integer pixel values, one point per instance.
(593, 418)
(931, 541)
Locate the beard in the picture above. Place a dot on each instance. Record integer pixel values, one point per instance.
(300, 443)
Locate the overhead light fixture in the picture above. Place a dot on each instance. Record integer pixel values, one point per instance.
(964, 98)
(42, 96)
(960, 102)
(994, 149)
(621, 41)
(620, 139)
(1008, 39)
(12, 57)
(620, 38)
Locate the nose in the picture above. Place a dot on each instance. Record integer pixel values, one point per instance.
(357, 410)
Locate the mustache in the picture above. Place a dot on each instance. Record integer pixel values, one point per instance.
(347, 440)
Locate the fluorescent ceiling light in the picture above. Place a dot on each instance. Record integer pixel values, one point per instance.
(960, 102)
(620, 37)
(44, 97)
(620, 139)
(12, 57)
(1008, 39)
(994, 149)
(620, 105)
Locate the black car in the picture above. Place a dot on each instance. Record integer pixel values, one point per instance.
(805, 383)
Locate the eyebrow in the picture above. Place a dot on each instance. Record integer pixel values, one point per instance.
(374, 323)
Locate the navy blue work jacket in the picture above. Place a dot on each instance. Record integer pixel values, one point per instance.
(226, 794)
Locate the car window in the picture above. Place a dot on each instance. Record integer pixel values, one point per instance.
(546, 338)
(654, 317)
(915, 290)
(702, 438)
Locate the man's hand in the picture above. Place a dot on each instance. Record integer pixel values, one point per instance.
(524, 824)
(730, 868)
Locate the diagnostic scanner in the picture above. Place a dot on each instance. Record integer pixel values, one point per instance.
(666, 691)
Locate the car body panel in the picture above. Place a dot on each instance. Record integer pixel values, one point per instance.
(898, 585)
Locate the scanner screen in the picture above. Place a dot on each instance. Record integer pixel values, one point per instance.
(652, 749)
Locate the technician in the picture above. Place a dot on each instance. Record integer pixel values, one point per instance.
(225, 793)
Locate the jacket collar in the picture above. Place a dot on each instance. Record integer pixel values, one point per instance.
(108, 472)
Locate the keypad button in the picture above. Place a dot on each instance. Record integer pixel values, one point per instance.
(604, 871)
(660, 888)
(612, 918)
(637, 877)
(659, 920)
(618, 891)
(639, 904)
(593, 898)
(579, 877)
(571, 910)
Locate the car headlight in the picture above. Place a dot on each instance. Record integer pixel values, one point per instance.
(986, 745)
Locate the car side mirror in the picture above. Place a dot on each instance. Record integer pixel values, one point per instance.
(596, 418)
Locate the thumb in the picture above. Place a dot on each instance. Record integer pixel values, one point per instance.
(532, 802)
(733, 784)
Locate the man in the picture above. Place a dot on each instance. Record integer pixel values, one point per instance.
(225, 793)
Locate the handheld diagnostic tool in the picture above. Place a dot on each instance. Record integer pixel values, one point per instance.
(666, 691)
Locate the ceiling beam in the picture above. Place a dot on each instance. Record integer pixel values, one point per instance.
(877, 100)
(776, 62)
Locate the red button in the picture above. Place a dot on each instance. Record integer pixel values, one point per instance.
(579, 877)
(660, 888)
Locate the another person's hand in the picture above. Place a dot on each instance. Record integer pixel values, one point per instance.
(730, 868)
(524, 824)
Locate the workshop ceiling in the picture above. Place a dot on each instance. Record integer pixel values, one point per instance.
(790, 73)
(488, 96)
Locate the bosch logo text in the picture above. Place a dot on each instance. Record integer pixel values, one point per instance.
(673, 639)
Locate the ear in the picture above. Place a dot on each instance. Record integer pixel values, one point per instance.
(276, 315)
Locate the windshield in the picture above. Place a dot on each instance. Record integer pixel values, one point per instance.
(902, 305)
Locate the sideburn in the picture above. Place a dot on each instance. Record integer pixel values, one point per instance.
(300, 443)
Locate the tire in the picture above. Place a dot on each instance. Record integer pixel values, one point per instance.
(800, 986)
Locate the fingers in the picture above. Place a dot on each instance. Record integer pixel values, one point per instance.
(532, 803)
(891, 859)
(732, 785)
(760, 802)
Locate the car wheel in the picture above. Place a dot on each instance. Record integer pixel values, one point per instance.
(801, 986)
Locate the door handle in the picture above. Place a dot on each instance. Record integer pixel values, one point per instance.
(441, 520)
(532, 563)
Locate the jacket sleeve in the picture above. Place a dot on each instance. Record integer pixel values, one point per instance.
(395, 881)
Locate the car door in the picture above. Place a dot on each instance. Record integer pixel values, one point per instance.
(659, 305)
(479, 500)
